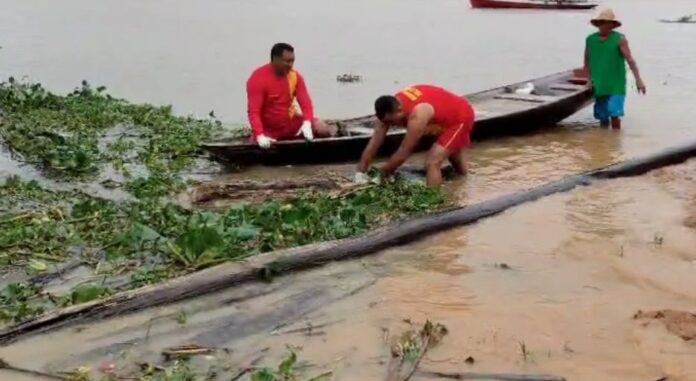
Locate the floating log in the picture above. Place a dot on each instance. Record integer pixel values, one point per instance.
(241, 188)
(254, 185)
(305, 257)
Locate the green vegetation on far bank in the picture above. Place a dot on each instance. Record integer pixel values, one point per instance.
(147, 239)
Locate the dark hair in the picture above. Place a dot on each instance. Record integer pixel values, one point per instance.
(278, 49)
(385, 104)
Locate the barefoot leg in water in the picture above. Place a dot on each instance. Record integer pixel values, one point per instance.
(433, 164)
(616, 123)
(458, 162)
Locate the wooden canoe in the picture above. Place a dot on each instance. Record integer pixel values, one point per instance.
(689, 21)
(532, 4)
(499, 112)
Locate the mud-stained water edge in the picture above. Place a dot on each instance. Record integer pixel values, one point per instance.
(562, 277)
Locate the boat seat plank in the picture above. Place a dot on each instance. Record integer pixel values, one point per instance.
(527, 97)
(567, 87)
(577, 80)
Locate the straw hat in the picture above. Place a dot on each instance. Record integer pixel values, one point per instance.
(606, 14)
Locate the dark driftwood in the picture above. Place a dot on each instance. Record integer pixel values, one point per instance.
(239, 188)
(492, 376)
(221, 194)
(305, 257)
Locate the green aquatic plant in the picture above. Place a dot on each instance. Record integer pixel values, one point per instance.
(287, 370)
(21, 301)
(153, 240)
(62, 133)
(86, 292)
(178, 370)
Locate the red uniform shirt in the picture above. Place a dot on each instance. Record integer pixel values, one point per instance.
(450, 109)
(453, 119)
(271, 99)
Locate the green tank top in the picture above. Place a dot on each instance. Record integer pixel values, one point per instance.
(607, 64)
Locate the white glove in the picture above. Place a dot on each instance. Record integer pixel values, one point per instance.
(264, 141)
(306, 130)
(361, 178)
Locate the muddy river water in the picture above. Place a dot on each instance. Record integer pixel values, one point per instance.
(579, 265)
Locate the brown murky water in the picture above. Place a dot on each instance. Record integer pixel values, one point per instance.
(579, 266)
(581, 263)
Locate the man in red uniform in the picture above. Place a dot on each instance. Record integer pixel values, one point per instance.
(424, 110)
(271, 93)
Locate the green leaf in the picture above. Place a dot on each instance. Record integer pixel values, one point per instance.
(204, 219)
(263, 374)
(197, 241)
(286, 366)
(37, 265)
(296, 215)
(181, 318)
(88, 292)
(244, 232)
(138, 235)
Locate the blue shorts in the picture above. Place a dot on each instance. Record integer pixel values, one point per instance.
(609, 106)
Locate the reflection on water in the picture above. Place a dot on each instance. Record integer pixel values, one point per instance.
(507, 165)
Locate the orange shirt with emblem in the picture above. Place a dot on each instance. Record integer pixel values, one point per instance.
(271, 100)
(451, 110)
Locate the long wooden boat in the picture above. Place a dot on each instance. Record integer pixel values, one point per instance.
(499, 112)
(533, 4)
(678, 21)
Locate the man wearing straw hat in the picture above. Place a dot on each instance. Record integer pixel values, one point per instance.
(606, 55)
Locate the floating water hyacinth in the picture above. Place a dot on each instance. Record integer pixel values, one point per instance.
(348, 78)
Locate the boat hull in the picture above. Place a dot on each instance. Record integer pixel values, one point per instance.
(678, 21)
(511, 4)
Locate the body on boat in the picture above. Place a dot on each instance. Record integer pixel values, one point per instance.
(503, 111)
(533, 4)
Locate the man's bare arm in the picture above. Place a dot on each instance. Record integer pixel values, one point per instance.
(626, 51)
(417, 123)
(370, 151)
(586, 67)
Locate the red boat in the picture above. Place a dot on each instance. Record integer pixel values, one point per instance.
(533, 4)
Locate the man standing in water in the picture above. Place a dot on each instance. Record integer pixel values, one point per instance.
(424, 110)
(606, 54)
(271, 93)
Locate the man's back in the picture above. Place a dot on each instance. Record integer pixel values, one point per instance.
(449, 107)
